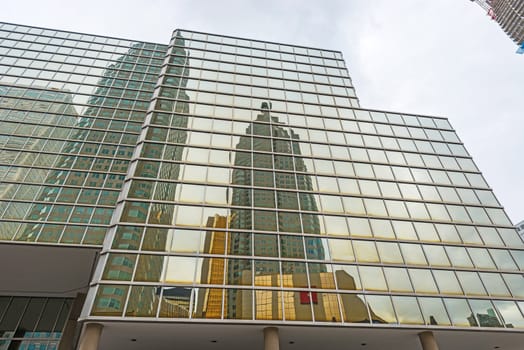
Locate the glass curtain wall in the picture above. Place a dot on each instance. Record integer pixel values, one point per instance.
(71, 109)
(261, 191)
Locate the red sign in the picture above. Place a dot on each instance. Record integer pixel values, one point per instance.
(308, 298)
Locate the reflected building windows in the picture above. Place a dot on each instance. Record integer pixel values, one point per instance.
(248, 186)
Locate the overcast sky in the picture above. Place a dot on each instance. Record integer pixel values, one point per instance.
(442, 58)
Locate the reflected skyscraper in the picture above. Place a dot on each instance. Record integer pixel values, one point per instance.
(82, 153)
(208, 191)
(47, 106)
(279, 174)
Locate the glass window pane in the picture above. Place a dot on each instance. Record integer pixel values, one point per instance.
(471, 283)
(481, 258)
(510, 237)
(185, 241)
(447, 282)
(422, 281)
(347, 277)
(404, 230)
(510, 313)
(12, 315)
(143, 301)
(485, 313)
(149, 268)
(268, 305)
(519, 257)
(354, 308)
(407, 310)
(354, 205)
(326, 308)
(239, 272)
(381, 309)
(293, 247)
(434, 312)
(267, 245)
(426, 231)
(398, 279)
(188, 216)
(109, 300)
(515, 283)
(267, 273)
(175, 302)
(127, 237)
(436, 255)
(372, 278)
(341, 250)
(396, 209)
(119, 267)
(494, 284)
(297, 305)
(448, 233)
(382, 228)
(365, 251)
(32, 313)
(207, 303)
(389, 253)
(375, 207)
(413, 254)
(469, 234)
(459, 312)
(294, 274)
(503, 259)
(359, 227)
(490, 236)
(238, 304)
(459, 257)
(155, 239)
(210, 271)
(321, 276)
(181, 270)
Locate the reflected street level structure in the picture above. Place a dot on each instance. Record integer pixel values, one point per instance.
(216, 187)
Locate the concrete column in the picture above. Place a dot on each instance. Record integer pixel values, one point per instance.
(90, 336)
(427, 339)
(271, 339)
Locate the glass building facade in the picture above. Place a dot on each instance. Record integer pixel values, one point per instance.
(510, 15)
(227, 180)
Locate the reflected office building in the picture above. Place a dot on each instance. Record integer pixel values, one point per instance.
(224, 193)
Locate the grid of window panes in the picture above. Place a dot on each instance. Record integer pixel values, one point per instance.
(243, 205)
(509, 14)
(71, 109)
(32, 323)
(246, 204)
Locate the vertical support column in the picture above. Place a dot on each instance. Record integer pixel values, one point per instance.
(271, 338)
(427, 339)
(90, 336)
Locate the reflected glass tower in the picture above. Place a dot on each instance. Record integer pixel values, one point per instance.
(214, 188)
